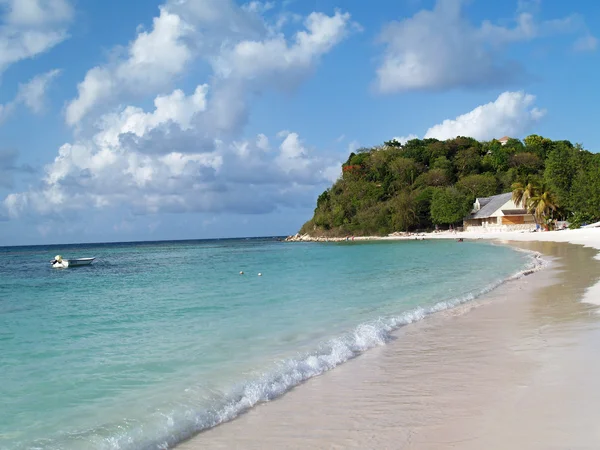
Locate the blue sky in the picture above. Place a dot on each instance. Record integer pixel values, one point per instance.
(181, 119)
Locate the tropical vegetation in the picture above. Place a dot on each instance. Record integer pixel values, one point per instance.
(427, 183)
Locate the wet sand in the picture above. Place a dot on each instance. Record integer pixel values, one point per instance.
(518, 368)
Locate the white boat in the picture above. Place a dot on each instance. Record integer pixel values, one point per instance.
(59, 263)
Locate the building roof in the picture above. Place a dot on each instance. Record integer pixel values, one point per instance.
(489, 205)
(484, 201)
(504, 139)
(514, 212)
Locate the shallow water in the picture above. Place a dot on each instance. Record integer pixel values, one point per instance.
(157, 341)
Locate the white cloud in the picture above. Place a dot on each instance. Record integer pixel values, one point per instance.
(175, 108)
(6, 110)
(240, 46)
(37, 12)
(113, 170)
(262, 142)
(512, 114)
(587, 43)
(31, 94)
(258, 7)
(154, 58)
(404, 139)
(274, 56)
(187, 154)
(184, 31)
(441, 49)
(31, 27)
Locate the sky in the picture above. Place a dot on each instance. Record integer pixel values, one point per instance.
(194, 119)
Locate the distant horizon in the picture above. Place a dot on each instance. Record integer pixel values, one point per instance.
(148, 241)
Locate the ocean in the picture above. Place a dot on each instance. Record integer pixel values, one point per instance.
(157, 341)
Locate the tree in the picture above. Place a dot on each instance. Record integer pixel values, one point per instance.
(561, 168)
(449, 206)
(544, 204)
(484, 185)
(461, 143)
(416, 149)
(403, 211)
(538, 145)
(506, 180)
(423, 199)
(585, 189)
(496, 158)
(441, 162)
(537, 200)
(436, 150)
(514, 146)
(435, 177)
(377, 166)
(467, 161)
(526, 163)
(522, 193)
(404, 171)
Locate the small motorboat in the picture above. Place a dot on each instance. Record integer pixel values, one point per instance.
(59, 263)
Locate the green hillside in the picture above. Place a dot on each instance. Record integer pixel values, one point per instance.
(427, 182)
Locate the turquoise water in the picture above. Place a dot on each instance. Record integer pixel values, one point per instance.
(157, 341)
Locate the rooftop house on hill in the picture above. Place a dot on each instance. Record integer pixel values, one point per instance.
(498, 213)
(504, 140)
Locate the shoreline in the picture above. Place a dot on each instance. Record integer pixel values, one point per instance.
(224, 436)
(587, 237)
(566, 235)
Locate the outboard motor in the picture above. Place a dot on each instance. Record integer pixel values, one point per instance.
(57, 262)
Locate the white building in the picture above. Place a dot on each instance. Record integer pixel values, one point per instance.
(503, 140)
(497, 213)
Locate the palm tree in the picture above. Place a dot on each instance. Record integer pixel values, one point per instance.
(537, 200)
(522, 195)
(544, 204)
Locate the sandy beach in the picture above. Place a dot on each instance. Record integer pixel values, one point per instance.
(517, 368)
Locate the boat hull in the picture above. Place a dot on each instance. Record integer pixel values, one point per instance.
(78, 262)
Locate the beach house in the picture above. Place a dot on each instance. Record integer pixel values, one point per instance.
(498, 213)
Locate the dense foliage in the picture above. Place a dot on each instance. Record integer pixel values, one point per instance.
(427, 182)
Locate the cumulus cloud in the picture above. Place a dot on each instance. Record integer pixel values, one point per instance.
(245, 52)
(187, 154)
(250, 59)
(31, 27)
(441, 49)
(153, 59)
(31, 94)
(511, 114)
(115, 169)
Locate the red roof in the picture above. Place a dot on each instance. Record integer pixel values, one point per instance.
(504, 139)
